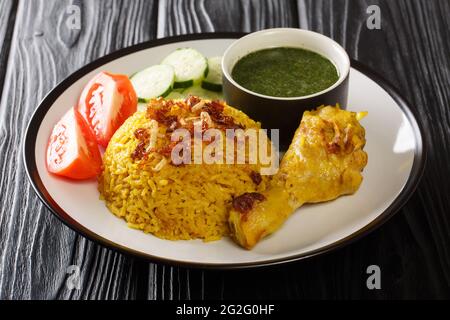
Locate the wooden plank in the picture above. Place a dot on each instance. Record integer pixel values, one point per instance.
(8, 10)
(35, 248)
(177, 17)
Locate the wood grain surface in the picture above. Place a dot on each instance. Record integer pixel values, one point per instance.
(7, 15)
(39, 50)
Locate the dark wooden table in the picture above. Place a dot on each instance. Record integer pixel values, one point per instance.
(412, 50)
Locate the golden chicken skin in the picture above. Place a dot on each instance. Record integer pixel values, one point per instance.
(323, 162)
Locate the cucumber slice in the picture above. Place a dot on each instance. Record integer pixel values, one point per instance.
(213, 81)
(195, 91)
(155, 81)
(190, 66)
(211, 86)
(183, 84)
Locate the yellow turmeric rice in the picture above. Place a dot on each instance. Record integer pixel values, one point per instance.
(141, 184)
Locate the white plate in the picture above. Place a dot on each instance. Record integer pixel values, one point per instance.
(396, 161)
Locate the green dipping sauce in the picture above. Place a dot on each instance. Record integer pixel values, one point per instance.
(285, 72)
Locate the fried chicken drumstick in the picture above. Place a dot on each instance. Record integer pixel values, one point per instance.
(323, 162)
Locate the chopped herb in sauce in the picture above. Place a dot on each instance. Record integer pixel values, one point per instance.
(285, 72)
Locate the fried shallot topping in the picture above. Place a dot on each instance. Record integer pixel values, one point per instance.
(333, 147)
(192, 101)
(256, 177)
(191, 112)
(161, 115)
(142, 134)
(245, 202)
(140, 151)
(215, 111)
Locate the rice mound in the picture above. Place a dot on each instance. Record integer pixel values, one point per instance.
(174, 201)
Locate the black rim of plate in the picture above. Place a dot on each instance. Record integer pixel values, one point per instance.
(39, 114)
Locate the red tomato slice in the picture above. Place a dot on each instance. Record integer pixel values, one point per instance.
(72, 150)
(106, 102)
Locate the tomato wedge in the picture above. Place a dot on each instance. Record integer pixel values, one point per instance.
(106, 102)
(72, 150)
